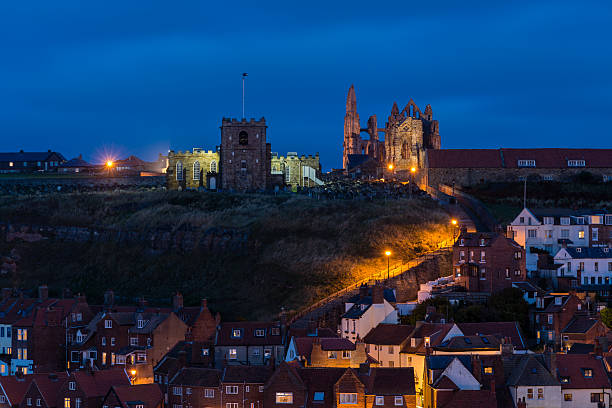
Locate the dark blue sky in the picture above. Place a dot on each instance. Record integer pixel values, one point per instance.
(139, 77)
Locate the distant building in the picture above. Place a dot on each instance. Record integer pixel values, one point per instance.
(365, 311)
(467, 167)
(27, 162)
(590, 267)
(76, 165)
(249, 343)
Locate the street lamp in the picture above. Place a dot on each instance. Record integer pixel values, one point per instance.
(109, 166)
(388, 254)
(454, 223)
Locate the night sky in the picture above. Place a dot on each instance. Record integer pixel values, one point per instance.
(140, 77)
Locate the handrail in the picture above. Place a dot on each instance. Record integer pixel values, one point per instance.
(393, 272)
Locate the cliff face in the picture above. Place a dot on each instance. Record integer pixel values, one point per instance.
(248, 254)
(214, 239)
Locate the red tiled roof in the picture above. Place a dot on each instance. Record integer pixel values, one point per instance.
(15, 388)
(388, 334)
(573, 365)
(149, 394)
(467, 399)
(435, 332)
(508, 158)
(500, 329)
(49, 387)
(445, 383)
(98, 383)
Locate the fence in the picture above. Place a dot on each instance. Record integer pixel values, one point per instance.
(396, 270)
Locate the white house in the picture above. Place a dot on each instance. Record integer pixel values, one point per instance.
(584, 380)
(594, 265)
(530, 380)
(549, 230)
(365, 311)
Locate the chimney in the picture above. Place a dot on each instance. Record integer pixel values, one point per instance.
(43, 292)
(6, 293)
(142, 303)
(109, 299)
(597, 350)
(378, 294)
(177, 302)
(312, 327)
(521, 403)
(363, 291)
(553, 363)
(204, 305)
(506, 348)
(81, 299)
(477, 368)
(66, 293)
(492, 385)
(182, 358)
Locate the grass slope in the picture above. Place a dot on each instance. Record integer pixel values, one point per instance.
(299, 249)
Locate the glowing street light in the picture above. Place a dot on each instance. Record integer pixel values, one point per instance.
(412, 171)
(388, 254)
(109, 164)
(390, 166)
(454, 222)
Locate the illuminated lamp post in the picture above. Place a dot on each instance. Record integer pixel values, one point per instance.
(132, 376)
(109, 166)
(455, 227)
(388, 254)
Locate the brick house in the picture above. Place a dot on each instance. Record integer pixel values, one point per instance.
(327, 352)
(134, 396)
(243, 386)
(87, 389)
(249, 343)
(43, 391)
(131, 338)
(487, 262)
(553, 313)
(584, 329)
(26, 162)
(292, 386)
(39, 337)
(584, 380)
(12, 389)
(195, 388)
(385, 341)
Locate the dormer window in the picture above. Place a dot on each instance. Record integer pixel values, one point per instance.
(260, 332)
(413, 342)
(140, 324)
(580, 220)
(565, 220)
(108, 324)
(587, 372)
(578, 249)
(482, 242)
(275, 331)
(236, 333)
(576, 163)
(558, 300)
(549, 220)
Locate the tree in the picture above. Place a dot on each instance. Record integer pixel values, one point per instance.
(606, 317)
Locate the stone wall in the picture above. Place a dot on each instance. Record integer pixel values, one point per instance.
(290, 167)
(472, 176)
(58, 184)
(216, 239)
(193, 170)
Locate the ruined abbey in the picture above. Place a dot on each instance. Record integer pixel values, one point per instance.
(407, 135)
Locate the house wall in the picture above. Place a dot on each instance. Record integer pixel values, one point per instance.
(320, 357)
(251, 355)
(165, 336)
(581, 398)
(387, 355)
(209, 163)
(197, 398)
(552, 396)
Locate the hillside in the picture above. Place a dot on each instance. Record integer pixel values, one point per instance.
(265, 251)
(505, 200)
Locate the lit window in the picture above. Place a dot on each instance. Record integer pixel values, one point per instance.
(66, 402)
(540, 393)
(488, 370)
(196, 170)
(108, 324)
(236, 333)
(587, 372)
(348, 398)
(332, 354)
(581, 234)
(233, 354)
(318, 396)
(285, 397)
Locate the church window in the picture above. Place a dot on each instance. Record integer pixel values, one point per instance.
(196, 170)
(179, 171)
(243, 138)
(213, 166)
(405, 152)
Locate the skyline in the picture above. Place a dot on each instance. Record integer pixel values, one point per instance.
(140, 79)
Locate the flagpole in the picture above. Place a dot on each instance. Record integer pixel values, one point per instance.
(243, 96)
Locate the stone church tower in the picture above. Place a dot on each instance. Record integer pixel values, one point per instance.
(245, 156)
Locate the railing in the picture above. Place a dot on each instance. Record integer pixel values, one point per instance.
(392, 272)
